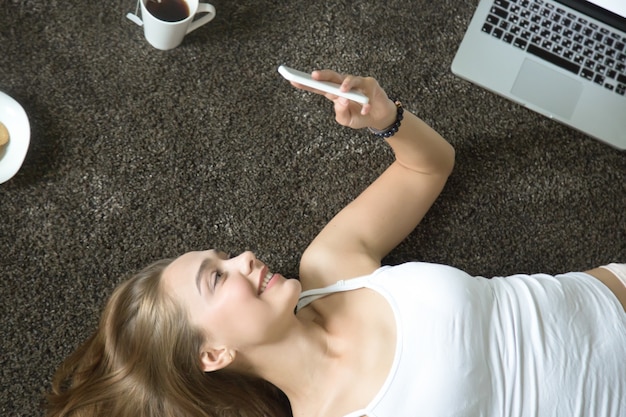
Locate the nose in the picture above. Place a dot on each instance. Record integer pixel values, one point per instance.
(247, 262)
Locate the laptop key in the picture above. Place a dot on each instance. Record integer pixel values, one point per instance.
(520, 43)
(492, 19)
(499, 12)
(588, 74)
(502, 3)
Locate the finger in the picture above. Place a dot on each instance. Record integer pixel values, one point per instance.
(362, 84)
(348, 83)
(327, 75)
(343, 115)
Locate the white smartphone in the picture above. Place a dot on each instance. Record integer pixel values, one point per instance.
(328, 87)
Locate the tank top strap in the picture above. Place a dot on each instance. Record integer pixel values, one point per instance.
(308, 296)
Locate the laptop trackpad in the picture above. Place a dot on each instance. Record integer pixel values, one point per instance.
(547, 89)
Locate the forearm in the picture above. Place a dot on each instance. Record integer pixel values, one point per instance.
(420, 148)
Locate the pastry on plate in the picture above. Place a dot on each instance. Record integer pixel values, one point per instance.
(4, 134)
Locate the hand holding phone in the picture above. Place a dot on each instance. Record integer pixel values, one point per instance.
(325, 86)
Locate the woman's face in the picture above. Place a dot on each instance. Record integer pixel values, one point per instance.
(237, 302)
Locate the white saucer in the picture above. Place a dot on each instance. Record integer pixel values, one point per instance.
(12, 154)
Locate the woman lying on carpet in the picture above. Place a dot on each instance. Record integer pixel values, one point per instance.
(209, 335)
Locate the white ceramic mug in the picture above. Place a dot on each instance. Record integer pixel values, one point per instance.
(167, 35)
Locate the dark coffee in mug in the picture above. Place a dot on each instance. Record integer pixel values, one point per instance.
(168, 10)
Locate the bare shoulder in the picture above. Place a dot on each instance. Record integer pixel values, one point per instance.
(612, 282)
(322, 265)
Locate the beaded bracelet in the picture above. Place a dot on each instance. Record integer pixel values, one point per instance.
(391, 130)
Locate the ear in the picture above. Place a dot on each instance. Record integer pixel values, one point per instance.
(213, 359)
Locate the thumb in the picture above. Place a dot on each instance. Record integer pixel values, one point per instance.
(343, 114)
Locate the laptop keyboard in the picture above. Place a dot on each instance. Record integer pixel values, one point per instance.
(563, 38)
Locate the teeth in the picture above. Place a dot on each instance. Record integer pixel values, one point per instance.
(266, 280)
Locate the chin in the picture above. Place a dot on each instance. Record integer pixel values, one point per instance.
(295, 289)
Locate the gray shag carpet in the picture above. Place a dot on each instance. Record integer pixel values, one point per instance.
(138, 154)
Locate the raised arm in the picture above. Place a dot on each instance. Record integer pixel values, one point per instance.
(354, 242)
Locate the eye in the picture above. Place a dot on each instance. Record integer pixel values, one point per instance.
(218, 275)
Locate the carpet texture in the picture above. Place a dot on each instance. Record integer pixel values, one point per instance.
(138, 154)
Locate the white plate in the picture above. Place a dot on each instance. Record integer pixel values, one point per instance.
(12, 154)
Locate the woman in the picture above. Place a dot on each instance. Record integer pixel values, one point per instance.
(210, 335)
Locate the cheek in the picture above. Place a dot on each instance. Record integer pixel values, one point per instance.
(235, 306)
(249, 323)
(239, 328)
(235, 294)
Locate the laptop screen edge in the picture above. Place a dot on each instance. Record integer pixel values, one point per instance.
(597, 12)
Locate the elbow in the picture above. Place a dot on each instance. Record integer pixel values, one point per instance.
(449, 159)
(443, 163)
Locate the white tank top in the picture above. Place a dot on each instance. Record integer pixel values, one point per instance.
(517, 346)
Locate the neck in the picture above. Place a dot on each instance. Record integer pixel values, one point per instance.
(300, 365)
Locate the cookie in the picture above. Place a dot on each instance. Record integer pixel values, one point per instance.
(4, 135)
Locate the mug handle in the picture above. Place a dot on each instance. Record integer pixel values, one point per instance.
(202, 8)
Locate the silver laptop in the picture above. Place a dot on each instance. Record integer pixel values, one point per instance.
(565, 59)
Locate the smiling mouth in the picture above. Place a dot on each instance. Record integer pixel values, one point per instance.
(266, 279)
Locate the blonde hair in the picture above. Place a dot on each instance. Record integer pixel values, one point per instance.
(143, 361)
